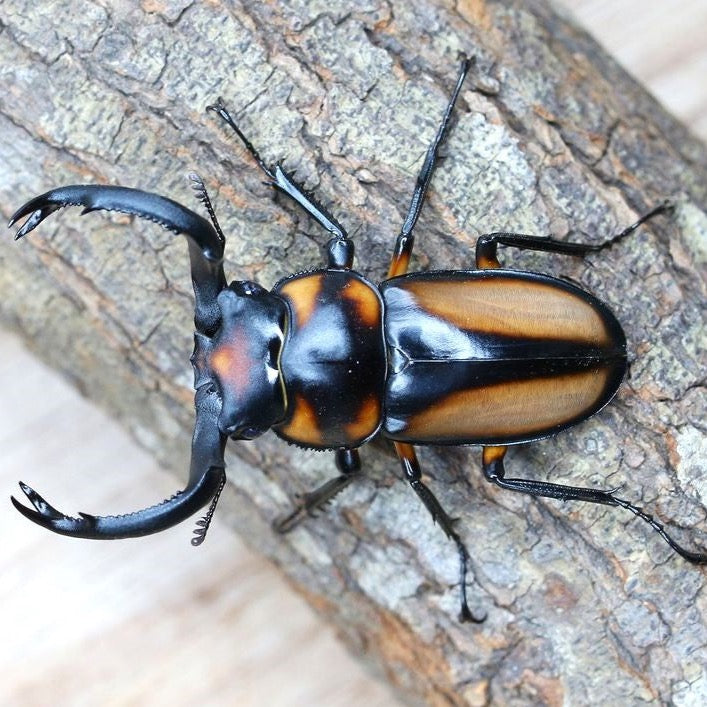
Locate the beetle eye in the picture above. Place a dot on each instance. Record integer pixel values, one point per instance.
(274, 349)
(246, 433)
(246, 287)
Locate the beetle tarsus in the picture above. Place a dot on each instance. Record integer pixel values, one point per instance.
(219, 107)
(666, 207)
(465, 614)
(697, 558)
(287, 523)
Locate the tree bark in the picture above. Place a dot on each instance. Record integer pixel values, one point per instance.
(551, 136)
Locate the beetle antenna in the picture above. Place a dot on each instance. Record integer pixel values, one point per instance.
(197, 184)
(204, 523)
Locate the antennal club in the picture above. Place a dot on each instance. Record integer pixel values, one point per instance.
(197, 184)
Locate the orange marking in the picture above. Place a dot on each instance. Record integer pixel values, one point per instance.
(399, 265)
(366, 421)
(232, 363)
(511, 307)
(487, 263)
(405, 451)
(511, 409)
(489, 455)
(365, 301)
(303, 294)
(303, 426)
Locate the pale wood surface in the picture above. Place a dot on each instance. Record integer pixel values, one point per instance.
(147, 622)
(126, 623)
(664, 45)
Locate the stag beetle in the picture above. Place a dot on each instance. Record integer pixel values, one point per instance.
(328, 360)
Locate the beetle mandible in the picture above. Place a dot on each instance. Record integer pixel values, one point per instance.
(328, 360)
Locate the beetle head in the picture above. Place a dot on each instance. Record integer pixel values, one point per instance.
(241, 360)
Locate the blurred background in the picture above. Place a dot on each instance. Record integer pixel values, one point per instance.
(125, 636)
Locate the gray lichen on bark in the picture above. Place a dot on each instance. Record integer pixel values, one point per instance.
(551, 136)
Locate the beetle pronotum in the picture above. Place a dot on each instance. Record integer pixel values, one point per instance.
(329, 360)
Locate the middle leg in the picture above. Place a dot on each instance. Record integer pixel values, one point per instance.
(413, 475)
(348, 462)
(405, 240)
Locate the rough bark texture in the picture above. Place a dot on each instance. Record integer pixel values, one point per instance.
(584, 605)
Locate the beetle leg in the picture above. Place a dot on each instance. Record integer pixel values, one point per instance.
(340, 256)
(348, 462)
(413, 475)
(405, 240)
(487, 245)
(206, 477)
(492, 458)
(205, 244)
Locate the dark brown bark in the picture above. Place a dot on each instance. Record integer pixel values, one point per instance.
(584, 606)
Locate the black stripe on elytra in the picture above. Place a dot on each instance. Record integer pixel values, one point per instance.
(424, 335)
(421, 385)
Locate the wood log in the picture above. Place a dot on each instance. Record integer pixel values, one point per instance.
(551, 136)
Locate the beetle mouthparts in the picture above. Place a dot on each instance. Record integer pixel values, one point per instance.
(143, 522)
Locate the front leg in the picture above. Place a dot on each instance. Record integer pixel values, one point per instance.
(348, 462)
(340, 250)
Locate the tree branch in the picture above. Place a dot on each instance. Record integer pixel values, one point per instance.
(551, 136)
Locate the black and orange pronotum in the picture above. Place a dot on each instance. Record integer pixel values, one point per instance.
(329, 360)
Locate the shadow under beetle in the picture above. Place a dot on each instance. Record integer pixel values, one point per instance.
(328, 360)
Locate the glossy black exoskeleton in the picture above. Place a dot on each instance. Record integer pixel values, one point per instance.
(329, 360)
